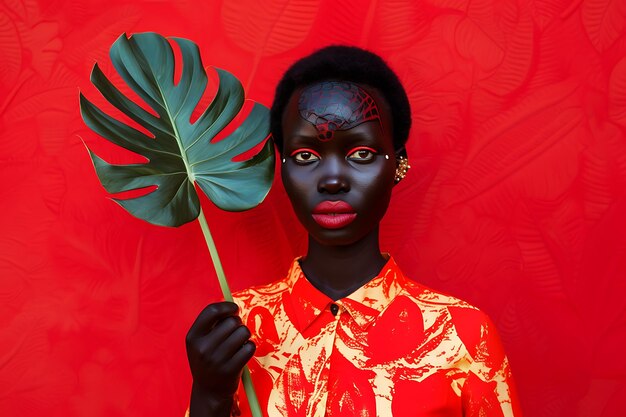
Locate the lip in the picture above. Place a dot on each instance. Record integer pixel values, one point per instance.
(333, 214)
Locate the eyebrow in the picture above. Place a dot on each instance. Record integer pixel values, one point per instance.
(348, 142)
(358, 136)
(301, 139)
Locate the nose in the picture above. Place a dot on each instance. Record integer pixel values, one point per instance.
(333, 180)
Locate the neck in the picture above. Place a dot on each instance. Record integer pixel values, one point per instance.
(338, 271)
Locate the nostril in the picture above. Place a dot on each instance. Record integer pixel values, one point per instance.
(333, 173)
(333, 185)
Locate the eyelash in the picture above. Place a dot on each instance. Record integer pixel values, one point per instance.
(295, 153)
(372, 152)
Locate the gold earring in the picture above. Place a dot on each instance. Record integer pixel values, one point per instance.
(402, 168)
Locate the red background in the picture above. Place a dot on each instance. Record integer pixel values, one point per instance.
(516, 200)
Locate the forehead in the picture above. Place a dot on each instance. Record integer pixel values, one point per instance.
(335, 106)
(343, 102)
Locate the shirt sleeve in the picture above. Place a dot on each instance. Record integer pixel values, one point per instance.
(489, 390)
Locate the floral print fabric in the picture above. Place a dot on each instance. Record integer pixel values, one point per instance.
(393, 347)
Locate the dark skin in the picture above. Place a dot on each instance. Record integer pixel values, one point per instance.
(353, 168)
(218, 347)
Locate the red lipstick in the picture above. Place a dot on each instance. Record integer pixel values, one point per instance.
(333, 214)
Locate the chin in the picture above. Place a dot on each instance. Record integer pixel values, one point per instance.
(326, 241)
(337, 237)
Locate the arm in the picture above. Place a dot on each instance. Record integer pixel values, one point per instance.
(218, 347)
(489, 389)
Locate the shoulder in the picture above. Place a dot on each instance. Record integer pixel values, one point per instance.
(472, 325)
(270, 290)
(431, 299)
(262, 297)
(269, 294)
(426, 297)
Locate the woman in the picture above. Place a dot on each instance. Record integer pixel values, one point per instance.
(345, 333)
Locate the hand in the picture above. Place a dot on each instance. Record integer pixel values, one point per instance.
(218, 347)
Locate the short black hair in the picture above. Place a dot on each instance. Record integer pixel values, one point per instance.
(344, 63)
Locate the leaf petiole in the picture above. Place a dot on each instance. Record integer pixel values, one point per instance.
(217, 264)
(253, 401)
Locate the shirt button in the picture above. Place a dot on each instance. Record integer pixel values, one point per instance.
(334, 308)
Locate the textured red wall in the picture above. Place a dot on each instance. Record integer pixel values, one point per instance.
(516, 200)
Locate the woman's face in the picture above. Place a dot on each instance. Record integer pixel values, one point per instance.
(339, 160)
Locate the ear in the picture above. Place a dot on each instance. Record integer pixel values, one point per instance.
(402, 165)
(401, 152)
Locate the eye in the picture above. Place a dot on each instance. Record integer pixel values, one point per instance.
(362, 154)
(304, 156)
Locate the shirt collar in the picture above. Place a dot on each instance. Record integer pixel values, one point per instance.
(364, 304)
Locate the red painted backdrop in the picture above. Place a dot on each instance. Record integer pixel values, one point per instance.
(516, 200)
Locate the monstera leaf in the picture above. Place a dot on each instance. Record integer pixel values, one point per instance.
(181, 153)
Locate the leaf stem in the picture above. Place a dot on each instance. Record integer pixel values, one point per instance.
(217, 264)
(253, 401)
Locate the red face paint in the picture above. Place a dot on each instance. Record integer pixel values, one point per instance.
(336, 105)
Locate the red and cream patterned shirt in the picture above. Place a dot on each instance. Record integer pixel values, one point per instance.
(391, 348)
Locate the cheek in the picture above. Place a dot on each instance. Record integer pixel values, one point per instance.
(380, 198)
(383, 187)
(376, 188)
(288, 182)
(378, 176)
(297, 189)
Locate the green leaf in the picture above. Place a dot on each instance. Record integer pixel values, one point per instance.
(181, 153)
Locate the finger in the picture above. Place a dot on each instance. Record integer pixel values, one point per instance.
(218, 334)
(209, 316)
(233, 343)
(243, 355)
